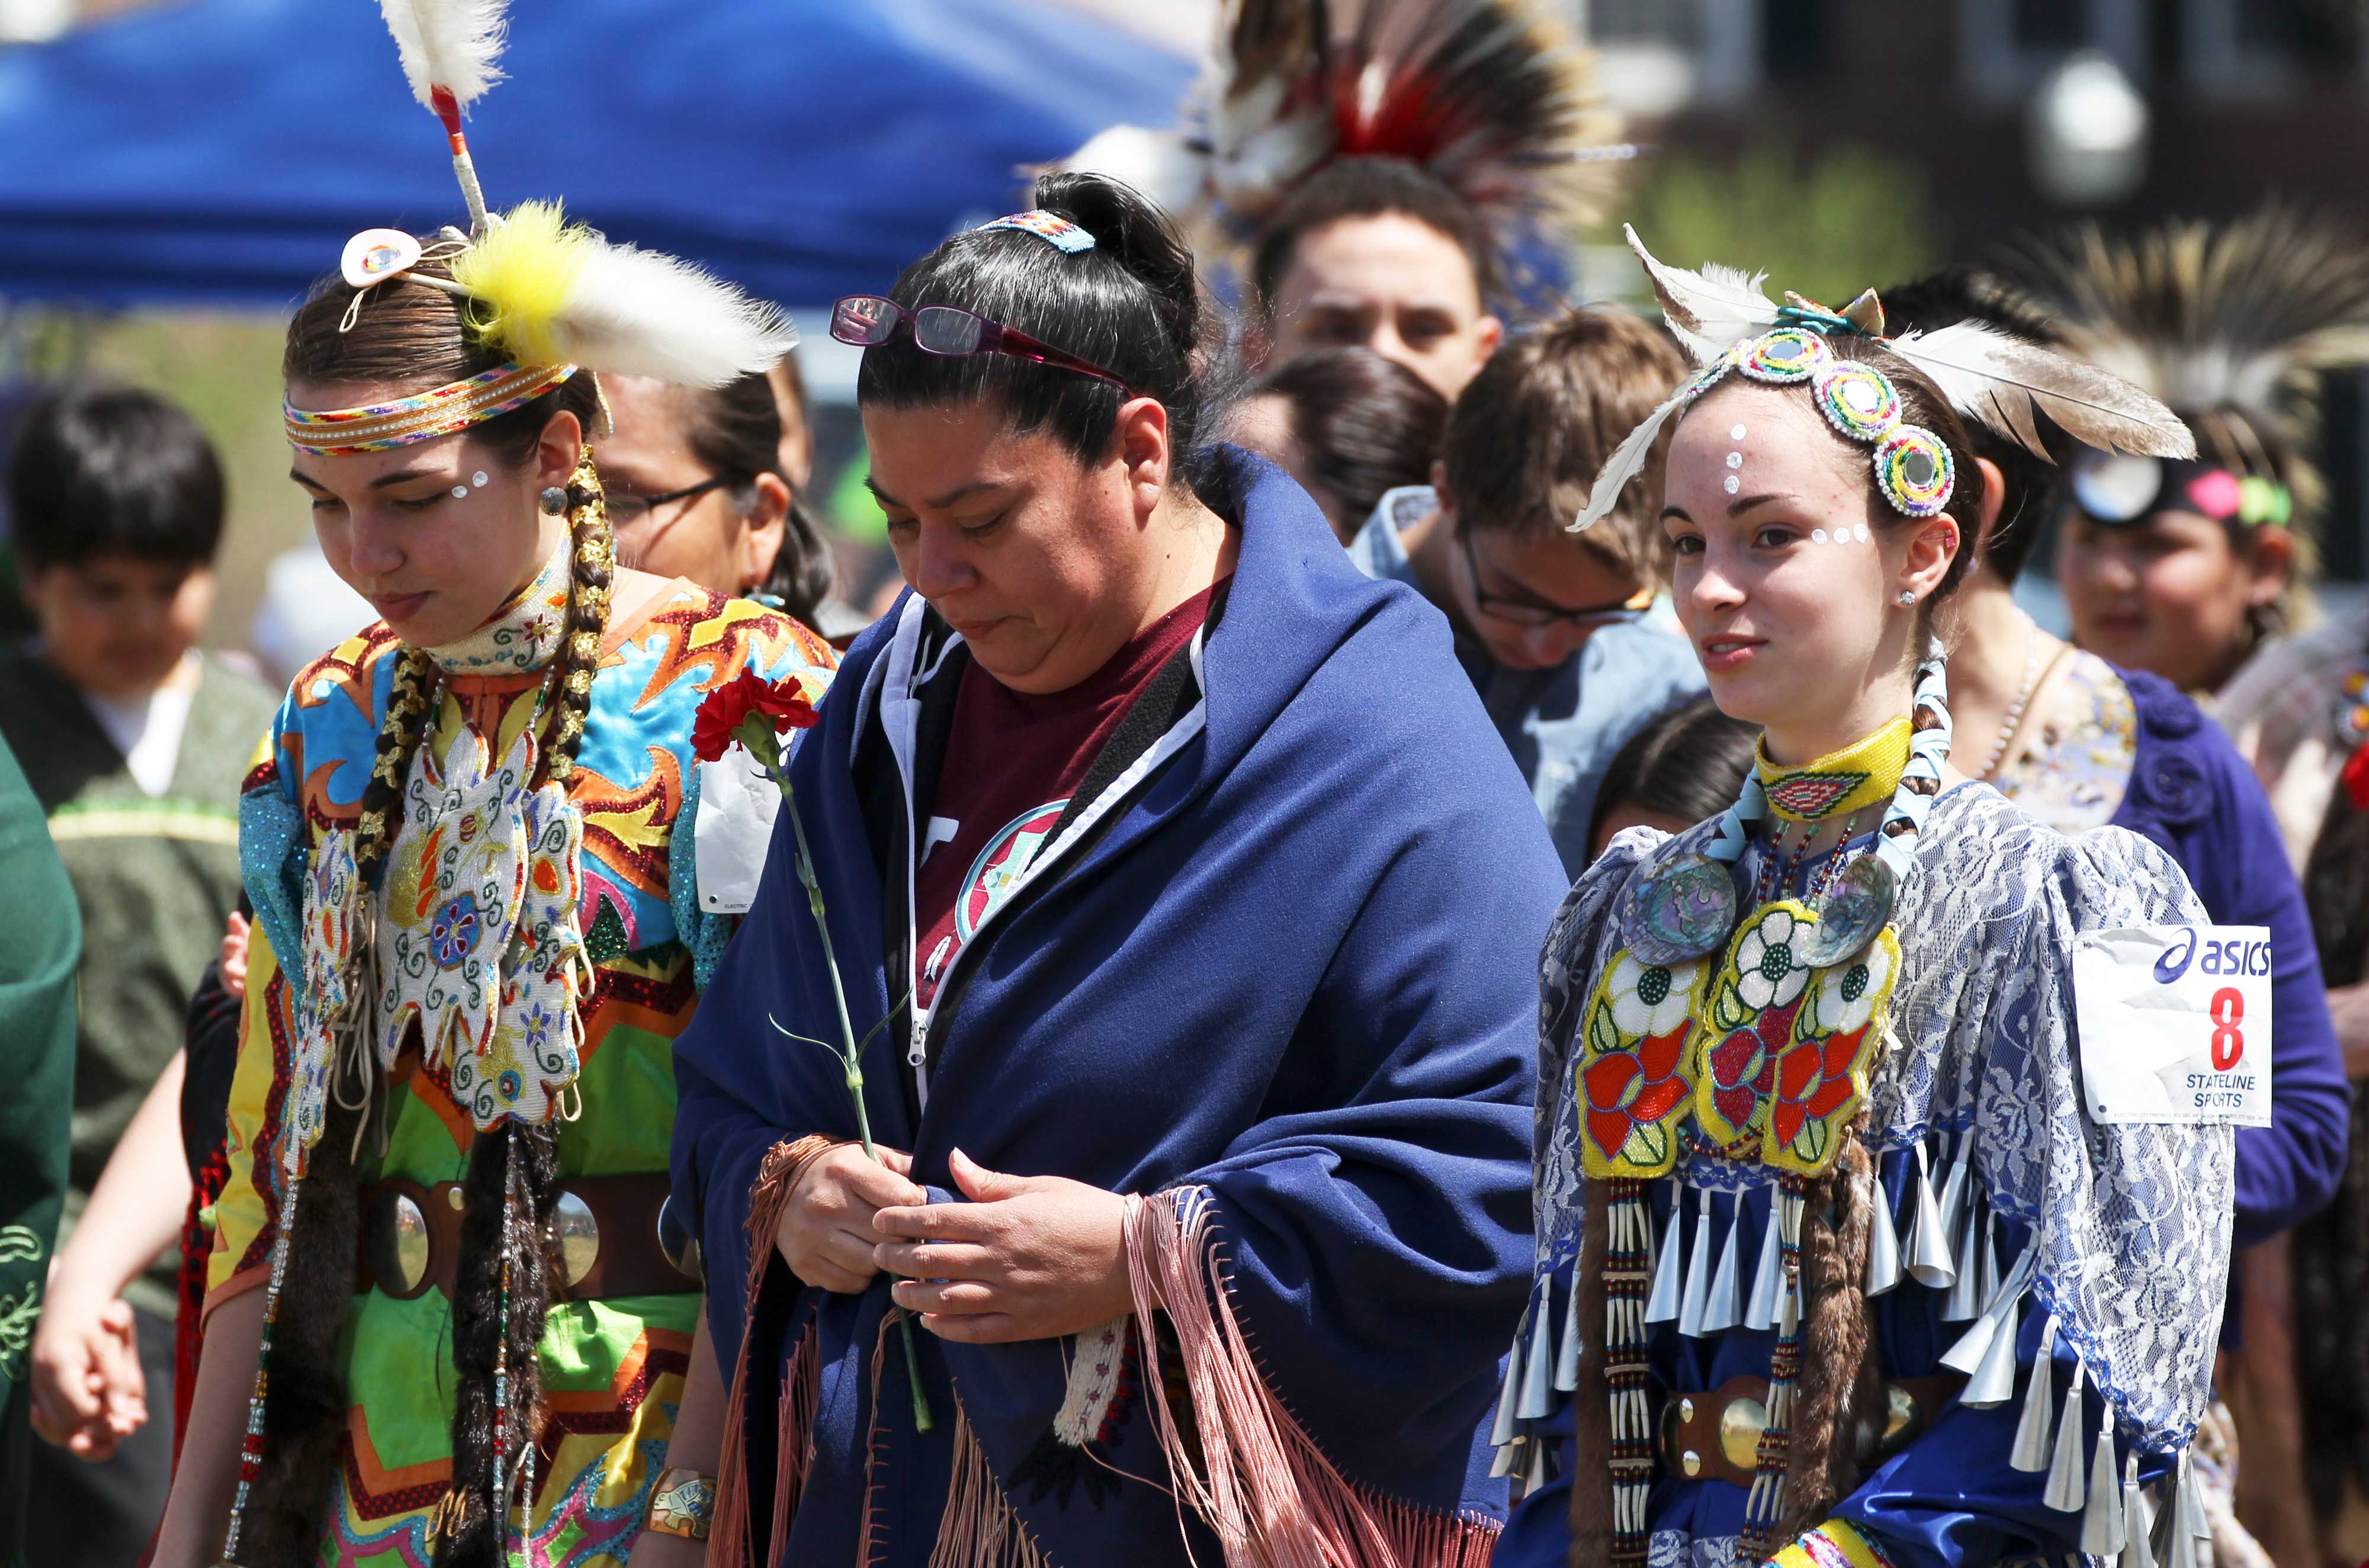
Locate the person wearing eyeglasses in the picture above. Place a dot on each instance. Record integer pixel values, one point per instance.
(1557, 629)
(696, 490)
(1202, 1173)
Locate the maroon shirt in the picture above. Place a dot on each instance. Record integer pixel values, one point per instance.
(1012, 762)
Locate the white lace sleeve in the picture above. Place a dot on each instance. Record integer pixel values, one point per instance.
(2132, 1222)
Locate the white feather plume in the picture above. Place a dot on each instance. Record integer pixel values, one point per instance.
(452, 44)
(1709, 310)
(552, 292)
(641, 313)
(2001, 380)
(1628, 460)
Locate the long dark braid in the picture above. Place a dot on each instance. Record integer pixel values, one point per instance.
(2330, 1250)
(399, 737)
(512, 1182)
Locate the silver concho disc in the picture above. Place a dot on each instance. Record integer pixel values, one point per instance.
(1856, 908)
(1680, 912)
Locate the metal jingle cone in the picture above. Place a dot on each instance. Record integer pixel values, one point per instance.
(1662, 1305)
(1930, 1262)
(2063, 1492)
(2139, 1550)
(1768, 1275)
(1510, 1395)
(1535, 1475)
(2179, 1547)
(1965, 1299)
(2101, 1516)
(1507, 1454)
(1725, 1308)
(1883, 1245)
(2030, 1454)
(1538, 1366)
(2191, 1497)
(1955, 1189)
(1698, 1288)
(1993, 1383)
(1566, 1366)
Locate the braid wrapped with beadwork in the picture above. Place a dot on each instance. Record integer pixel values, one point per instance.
(591, 572)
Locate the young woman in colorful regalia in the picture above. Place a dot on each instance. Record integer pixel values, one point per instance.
(466, 841)
(1201, 1127)
(445, 1322)
(1835, 1265)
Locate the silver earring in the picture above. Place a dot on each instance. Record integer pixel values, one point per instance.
(1906, 599)
(553, 499)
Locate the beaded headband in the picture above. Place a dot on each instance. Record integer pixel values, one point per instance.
(1913, 467)
(1728, 323)
(439, 411)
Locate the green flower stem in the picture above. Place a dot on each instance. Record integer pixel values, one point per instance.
(757, 734)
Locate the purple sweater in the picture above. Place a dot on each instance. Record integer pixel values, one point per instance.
(2191, 792)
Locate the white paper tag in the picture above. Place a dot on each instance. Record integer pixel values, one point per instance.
(2175, 1023)
(737, 807)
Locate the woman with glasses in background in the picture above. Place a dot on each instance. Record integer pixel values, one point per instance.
(1202, 1139)
(696, 490)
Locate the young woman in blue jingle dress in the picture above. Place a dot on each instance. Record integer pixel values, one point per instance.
(1834, 1265)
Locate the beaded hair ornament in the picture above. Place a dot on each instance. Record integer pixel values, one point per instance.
(1729, 323)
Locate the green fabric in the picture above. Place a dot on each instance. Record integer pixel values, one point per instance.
(37, 1055)
(154, 879)
(630, 1075)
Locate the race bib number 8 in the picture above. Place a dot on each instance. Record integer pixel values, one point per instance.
(2175, 1023)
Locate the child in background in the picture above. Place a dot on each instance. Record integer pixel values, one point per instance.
(1681, 769)
(134, 745)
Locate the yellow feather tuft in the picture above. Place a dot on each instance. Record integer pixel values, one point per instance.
(521, 278)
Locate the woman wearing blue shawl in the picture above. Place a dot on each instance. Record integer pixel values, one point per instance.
(1185, 895)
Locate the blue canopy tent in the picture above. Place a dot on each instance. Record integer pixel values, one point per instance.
(222, 151)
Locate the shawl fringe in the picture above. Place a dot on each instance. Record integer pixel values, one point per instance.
(734, 1543)
(980, 1528)
(1254, 1474)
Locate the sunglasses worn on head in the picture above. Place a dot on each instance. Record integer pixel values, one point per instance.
(868, 321)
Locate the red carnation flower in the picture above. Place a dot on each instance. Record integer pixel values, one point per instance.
(746, 707)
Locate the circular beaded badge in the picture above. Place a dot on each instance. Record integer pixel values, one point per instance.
(1858, 400)
(1913, 467)
(1786, 355)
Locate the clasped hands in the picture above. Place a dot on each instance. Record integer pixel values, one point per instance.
(1029, 1257)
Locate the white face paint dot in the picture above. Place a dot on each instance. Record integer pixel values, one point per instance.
(1735, 460)
(460, 492)
(1860, 529)
(478, 479)
(1733, 483)
(1736, 433)
(1818, 535)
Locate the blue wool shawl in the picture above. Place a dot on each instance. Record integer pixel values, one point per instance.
(1293, 967)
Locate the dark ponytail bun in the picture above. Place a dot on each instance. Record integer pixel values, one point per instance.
(1133, 304)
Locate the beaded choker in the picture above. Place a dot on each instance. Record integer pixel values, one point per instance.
(1838, 784)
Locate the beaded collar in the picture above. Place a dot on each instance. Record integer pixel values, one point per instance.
(523, 635)
(1838, 784)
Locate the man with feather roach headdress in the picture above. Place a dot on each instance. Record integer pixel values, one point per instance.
(1378, 166)
(447, 1319)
